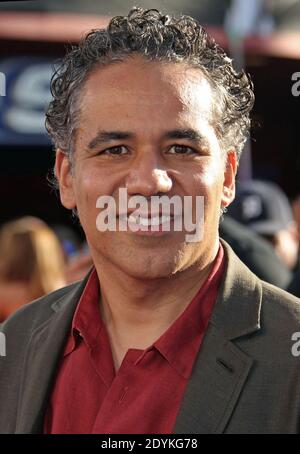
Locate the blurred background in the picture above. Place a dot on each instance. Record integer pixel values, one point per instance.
(263, 36)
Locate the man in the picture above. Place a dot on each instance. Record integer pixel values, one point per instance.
(166, 334)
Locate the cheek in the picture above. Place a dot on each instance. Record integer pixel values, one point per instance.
(213, 174)
(208, 181)
(91, 183)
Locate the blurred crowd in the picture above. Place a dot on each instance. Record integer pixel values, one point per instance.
(35, 260)
(261, 226)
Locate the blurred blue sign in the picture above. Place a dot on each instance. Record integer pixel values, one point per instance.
(27, 93)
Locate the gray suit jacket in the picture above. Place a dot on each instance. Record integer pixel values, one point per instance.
(245, 379)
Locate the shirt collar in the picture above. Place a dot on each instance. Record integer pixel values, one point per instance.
(87, 318)
(179, 344)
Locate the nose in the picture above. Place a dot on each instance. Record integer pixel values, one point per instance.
(147, 178)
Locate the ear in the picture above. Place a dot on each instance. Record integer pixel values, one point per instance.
(228, 192)
(65, 179)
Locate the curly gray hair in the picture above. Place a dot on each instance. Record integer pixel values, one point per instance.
(156, 37)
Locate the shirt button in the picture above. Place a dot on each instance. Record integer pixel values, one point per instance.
(123, 394)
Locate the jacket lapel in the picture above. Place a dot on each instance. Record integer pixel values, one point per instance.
(214, 387)
(43, 354)
(221, 368)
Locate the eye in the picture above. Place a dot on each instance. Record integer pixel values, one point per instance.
(182, 150)
(114, 151)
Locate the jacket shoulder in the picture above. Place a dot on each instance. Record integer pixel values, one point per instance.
(17, 332)
(37, 311)
(279, 300)
(279, 327)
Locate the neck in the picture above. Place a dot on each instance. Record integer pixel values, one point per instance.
(137, 312)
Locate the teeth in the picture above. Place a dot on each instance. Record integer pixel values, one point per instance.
(146, 222)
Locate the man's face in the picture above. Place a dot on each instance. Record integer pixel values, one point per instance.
(127, 137)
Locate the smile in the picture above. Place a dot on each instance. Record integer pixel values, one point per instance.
(148, 221)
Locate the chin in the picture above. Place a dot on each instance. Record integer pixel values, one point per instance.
(149, 275)
(150, 268)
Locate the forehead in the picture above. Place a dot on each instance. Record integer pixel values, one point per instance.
(137, 88)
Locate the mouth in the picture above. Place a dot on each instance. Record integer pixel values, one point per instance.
(147, 221)
(155, 225)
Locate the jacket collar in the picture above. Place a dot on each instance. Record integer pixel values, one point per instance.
(238, 306)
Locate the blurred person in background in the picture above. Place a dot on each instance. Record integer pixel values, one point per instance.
(31, 263)
(256, 252)
(77, 255)
(294, 286)
(264, 208)
(296, 212)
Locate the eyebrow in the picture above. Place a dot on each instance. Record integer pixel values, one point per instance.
(108, 136)
(187, 134)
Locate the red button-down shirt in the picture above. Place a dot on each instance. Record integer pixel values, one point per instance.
(144, 395)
